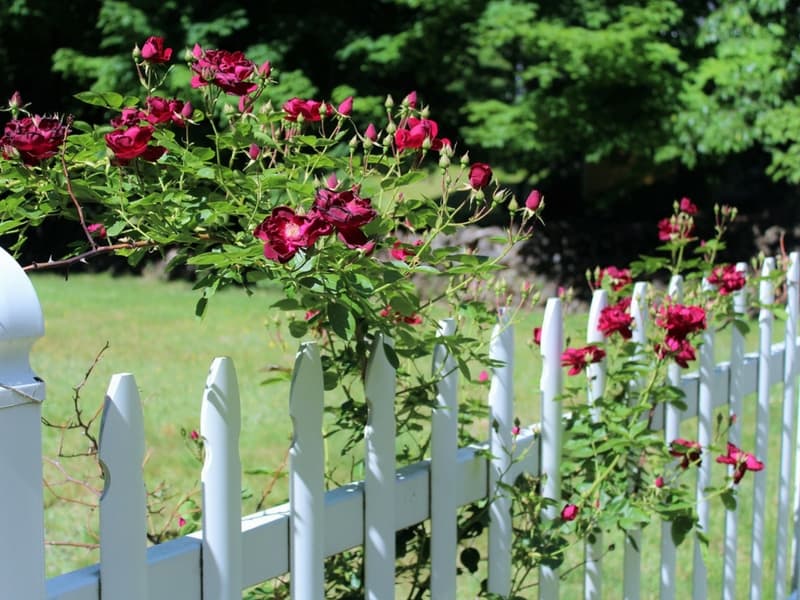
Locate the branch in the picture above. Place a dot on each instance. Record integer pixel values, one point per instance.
(71, 192)
(67, 262)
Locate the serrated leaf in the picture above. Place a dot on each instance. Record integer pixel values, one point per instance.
(104, 99)
(342, 321)
(298, 329)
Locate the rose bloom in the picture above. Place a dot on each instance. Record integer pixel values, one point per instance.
(153, 50)
(97, 230)
(533, 200)
(308, 109)
(345, 212)
(616, 319)
(742, 461)
(680, 320)
(619, 278)
(415, 132)
(230, 71)
(129, 117)
(537, 336)
(284, 233)
(34, 138)
(578, 358)
(127, 144)
(687, 451)
(726, 279)
(674, 228)
(687, 206)
(681, 350)
(160, 110)
(569, 512)
(480, 174)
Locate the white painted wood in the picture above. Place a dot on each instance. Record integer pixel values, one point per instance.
(306, 476)
(766, 296)
(379, 475)
(220, 424)
(501, 420)
(592, 581)
(788, 415)
(631, 585)
(552, 346)
(21, 394)
(444, 446)
(734, 437)
(705, 423)
(123, 505)
(672, 423)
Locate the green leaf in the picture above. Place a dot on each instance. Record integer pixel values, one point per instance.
(286, 304)
(298, 329)
(342, 321)
(728, 498)
(200, 307)
(104, 99)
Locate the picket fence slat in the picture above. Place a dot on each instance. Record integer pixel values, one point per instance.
(379, 475)
(735, 396)
(221, 478)
(596, 373)
(444, 446)
(501, 420)
(766, 296)
(552, 345)
(307, 476)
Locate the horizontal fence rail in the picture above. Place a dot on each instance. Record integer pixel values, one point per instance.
(232, 553)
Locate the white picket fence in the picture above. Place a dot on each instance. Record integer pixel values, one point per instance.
(232, 553)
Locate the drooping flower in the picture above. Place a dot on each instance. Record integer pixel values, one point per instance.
(578, 359)
(618, 278)
(570, 512)
(727, 279)
(401, 251)
(480, 174)
(230, 71)
(680, 350)
(616, 319)
(154, 52)
(133, 142)
(346, 212)
(285, 233)
(688, 451)
(33, 138)
(309, 110)
(414, 135)
(741, 461)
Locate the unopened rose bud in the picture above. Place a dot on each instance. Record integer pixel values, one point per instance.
(266, 108)
(371, 134)
(265, 69)
(188, 55)
(253, 151)
(447, 150)
(498, 196)
(136, 52)
(353, 143)
(410, 100)
(346, 107)
(427, 143)
(465, 159)
(513, 204)
(15, 102)
(425, 112)
(389, 103)
(533, 201)
(659, 482)
(332, 182)
(323, 110)
(227, 109)
(387, 140)
(391, 128)
(444, 161)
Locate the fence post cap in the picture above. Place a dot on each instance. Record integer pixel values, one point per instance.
(20, 310)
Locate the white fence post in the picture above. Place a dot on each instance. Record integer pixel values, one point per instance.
(379, 475)
(552, 346)
(596, 372)
(501, 420)
(443, 480)
(21, 395)
(307, 476)
(123, 505)
(766, 296)
(220, 424)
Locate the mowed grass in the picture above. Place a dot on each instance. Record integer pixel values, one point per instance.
(152, 332)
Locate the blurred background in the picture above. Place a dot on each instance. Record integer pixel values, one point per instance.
(613, 109)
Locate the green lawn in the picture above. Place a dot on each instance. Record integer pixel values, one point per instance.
(152, 332)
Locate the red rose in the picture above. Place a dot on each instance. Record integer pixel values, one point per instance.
(33, 139)
(130, 143)
(569, 512)
(680, 320)
(616, 319)
(284, 233)
(160, 110)
(743, 461)
(687, 451)
(416, 131)
(679, 349)
(727, 279)
(619, 278)
(130, 117)
(687, 206)
(345, 212)
(153, 50)
(480, 174)
(310, 110)
(579, 358)
(533, 201)
(97, 230)
(230, 71)
(346, 107)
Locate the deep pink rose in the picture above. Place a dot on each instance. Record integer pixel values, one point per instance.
(533, 201)
(687, 206)
(680, 349)
(480, 174)
(160, 110)
(680, 320)
(346, 107)
(284, 233)
(415, 132)
(130, 143)
(345, 212)
(687, 451)
(659, 482)
(569, 512)
(619, 278)
(130, 117)
(411, 99)
(578, 359)
(674, 228)
(727, 279)
(537, 336)
(230, 71)
(616, 319)
(371, 134)
(153, 50)
(742, 461)
(97, 230)
(310, 110)
(33, 139)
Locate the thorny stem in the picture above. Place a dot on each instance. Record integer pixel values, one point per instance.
(70, 191)
(84, 256)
